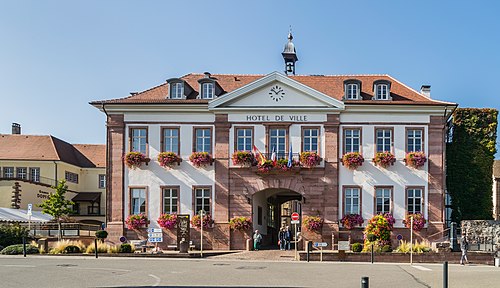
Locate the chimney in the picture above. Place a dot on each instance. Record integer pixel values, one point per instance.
(426, 90)
(207, 74)
(16, 129)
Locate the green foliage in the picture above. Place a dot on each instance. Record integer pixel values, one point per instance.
(61, 247)
(101, 234)
(56, 205)
(18, 249)
(469, 162)
(125, 248)
(72, 249)
(101, 248)
(386, 248)
(418, 247)
(11, 234)
(357, 247)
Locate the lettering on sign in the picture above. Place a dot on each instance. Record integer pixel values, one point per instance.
(42, 194)
(277, 118)
(183, 229)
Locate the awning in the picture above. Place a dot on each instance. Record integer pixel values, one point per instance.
(87, 197)
(19, 215)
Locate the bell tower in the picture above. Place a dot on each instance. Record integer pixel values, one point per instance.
(289, 55)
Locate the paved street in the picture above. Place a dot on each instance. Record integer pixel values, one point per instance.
(73, 271)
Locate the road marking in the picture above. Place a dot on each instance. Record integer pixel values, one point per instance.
(158, 280)
(108, 269)
(22, 266)
(421, 268)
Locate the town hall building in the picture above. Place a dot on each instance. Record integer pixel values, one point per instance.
(277, 117)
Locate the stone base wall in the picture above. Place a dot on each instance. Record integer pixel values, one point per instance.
(482, 232)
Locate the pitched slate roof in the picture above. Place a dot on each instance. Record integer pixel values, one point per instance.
(47, 147)
(331, 85)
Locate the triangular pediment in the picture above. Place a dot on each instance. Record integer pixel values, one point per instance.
(278, 92)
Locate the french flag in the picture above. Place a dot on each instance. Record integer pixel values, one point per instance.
(273, 155)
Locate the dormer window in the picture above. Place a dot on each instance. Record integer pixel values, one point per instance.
(207, 90)
(176, 90)
(382, 90)
(352, 89)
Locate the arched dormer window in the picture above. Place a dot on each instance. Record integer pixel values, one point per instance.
(352, 89)
(382, 90)
(176, 88)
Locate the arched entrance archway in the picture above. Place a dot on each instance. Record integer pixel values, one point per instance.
(271, 209)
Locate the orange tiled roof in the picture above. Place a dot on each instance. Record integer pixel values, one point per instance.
(331, 85)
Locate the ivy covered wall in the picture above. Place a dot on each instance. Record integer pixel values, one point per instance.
(469, 163)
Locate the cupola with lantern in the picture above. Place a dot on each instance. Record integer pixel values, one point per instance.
(290, 56)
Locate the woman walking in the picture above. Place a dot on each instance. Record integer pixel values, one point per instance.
(464, 245)
(257, 238)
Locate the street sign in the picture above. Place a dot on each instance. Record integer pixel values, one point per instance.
(344, 245)
(295, 216)
(154, 230)
(155, 235)
(155, 239)
(30, 209)
(399, 237)
(320, 244)
(294, 221)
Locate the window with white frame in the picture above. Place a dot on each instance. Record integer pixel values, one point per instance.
(207, 91)
(202, 200)
(22, 173)
(352, 140)
(171, 140)
(352, 91)
(137, 200)
(384, 139)
(277, 141)
(414, 140)
(414, 200)
(383, 200)
(35, 174)
(244, 139)
(203, 140)
(382, 92)
(170, 200)
(8, 172)
(177, 90)
(102, 181)
(139, 141)
(310, 138)
(351, 200)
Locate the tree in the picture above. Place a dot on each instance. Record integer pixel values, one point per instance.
(469, 163)
(56, 205)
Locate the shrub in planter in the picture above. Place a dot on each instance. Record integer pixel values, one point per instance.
(72, 249)
(265, 167)
(11, 234)
(352, 160)
(167, 221)
(357, 247)
(125, 248)
(240, 223)
(312, 223)
(415, 159)
(377, 232)
(136, 221)
(18, 249)
(309, 159)
(168, 159)
(61, 246)
(200, 159)
(101, 234)
(418, 221)
(135, 159)
(207, 221)
(243, 158)
(384, 159)
(351, 220)
(101, 248)
(386, 248)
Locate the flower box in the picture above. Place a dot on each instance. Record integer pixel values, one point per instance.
(265, 167)
(415, 159)
(243, 158)
(135, 159)
(349, 221)
(207, 221)
(167, 221)
(384, 159)
(136, 221)
(240, 223)
(201, 159)
(312, 223)
(418, 221)
(352, 160)
(309, 159)
(168, 159)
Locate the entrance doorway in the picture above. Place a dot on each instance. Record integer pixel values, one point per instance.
(271, 210)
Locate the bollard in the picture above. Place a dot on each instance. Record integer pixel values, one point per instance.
(95, 243)
(365, 282)
(371, 256)
(24, 246)
(445, 274)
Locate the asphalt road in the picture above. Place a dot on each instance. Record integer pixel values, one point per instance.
(70, 271)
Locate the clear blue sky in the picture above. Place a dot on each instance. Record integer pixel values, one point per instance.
(56, 56)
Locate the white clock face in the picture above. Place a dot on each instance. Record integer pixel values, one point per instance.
(276, 93)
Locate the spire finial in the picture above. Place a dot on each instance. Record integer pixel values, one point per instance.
(290, 37)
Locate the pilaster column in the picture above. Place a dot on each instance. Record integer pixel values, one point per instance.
(331, 177)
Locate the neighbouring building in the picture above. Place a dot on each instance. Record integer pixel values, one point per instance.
(35, 163)
(285, 114)
(496, 190)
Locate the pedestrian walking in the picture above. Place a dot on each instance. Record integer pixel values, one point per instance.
(464, 245)
(282, 238)
(288, 237)
(257, 238)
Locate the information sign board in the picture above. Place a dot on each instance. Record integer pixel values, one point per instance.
(320, 244)
(155, 239)
(344, 245)
(294, 221)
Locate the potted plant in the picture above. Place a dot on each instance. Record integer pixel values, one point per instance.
(384, 159)
(243, 158)
(240, 223)
(352, 160)
(135, 159)
(167, 221)
(207, 221)
(312, 223)
(168, 159)
(200, 159)
(265, 167)
(415, 159)
(351, 220)
(309, 159)
(136, 221)
(418, 221)
(377, 232)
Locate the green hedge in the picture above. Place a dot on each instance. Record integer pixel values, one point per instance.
(11, 234)
(18, 249)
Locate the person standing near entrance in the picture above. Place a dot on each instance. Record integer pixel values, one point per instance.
(257, 238)
(288, 237)
(464, 245)
(282, 238)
